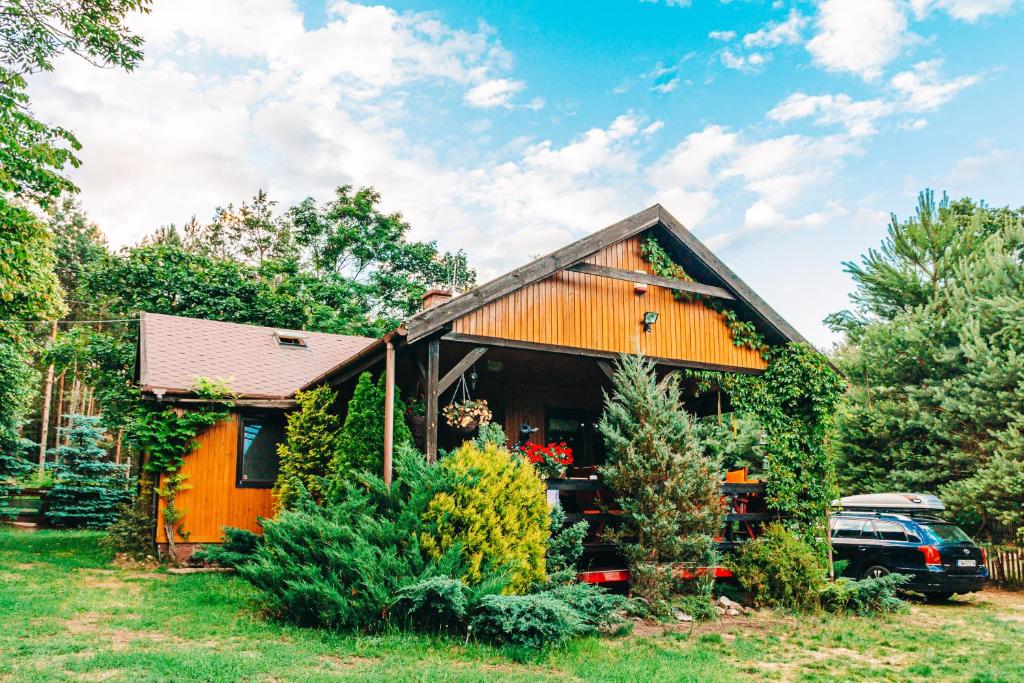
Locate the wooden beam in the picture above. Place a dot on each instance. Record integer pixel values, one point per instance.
(657, 280)
(606, 368)
(389, 411)
(433, 363)
(589, 353)
(460, 367)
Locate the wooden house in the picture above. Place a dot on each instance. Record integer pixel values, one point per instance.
(536, 343)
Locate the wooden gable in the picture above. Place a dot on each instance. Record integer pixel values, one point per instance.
(581, 310)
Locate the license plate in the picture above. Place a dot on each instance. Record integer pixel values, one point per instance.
(967, 563)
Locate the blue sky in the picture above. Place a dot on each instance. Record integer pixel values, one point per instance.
(782, 134)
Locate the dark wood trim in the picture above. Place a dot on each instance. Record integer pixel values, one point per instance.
(433, 363)
(427, 322)
(606, 368)
(358, 368)
(657, 280)
(266, 403)
(459, 368)
(589, 353)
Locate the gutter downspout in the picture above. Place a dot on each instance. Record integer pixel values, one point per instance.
(389, 410)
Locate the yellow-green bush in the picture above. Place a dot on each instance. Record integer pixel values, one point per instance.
(496, 512)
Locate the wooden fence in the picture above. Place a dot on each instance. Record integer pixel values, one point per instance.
(1006, 566)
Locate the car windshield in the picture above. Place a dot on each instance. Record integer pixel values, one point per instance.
(949, 533)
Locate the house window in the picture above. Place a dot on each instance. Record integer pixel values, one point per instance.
(258, 437)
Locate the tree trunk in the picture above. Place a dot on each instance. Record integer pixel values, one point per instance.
(60, 410)
(44, 423)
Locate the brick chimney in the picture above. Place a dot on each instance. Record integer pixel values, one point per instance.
(435, 297)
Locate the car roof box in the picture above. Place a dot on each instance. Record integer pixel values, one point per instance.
(891, 502)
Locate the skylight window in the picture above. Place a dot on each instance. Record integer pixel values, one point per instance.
(290, 340)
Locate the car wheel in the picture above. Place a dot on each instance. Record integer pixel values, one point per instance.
(938, 597)
(874, 571)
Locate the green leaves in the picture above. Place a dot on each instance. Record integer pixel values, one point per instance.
(937, 371)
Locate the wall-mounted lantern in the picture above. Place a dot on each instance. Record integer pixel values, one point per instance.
(650, 317)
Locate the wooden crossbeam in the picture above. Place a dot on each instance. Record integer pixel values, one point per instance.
(460, 367)
(657, 280)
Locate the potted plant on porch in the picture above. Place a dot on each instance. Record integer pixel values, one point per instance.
(467, 415)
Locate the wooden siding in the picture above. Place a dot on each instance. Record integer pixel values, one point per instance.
(213, 500)
(527, 403)
(593, 312)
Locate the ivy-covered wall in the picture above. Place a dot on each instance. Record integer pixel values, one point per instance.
(794, 400)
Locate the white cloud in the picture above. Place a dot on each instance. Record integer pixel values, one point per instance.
(689, 163)
(775, 34)
(860, 37)
(762, 217)
(858, 117)
(965, 10)
(497, 92)
(993, 163)
(749, 63)
(724, 36)
(923, 88)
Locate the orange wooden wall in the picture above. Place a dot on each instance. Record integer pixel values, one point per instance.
(212, 500)
(592, 312)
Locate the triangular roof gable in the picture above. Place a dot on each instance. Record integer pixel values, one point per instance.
(708, 266)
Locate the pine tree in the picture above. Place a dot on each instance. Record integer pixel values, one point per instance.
(87, 488)
(361, 445)
(313, 436)
(937, 383)
(667, 487)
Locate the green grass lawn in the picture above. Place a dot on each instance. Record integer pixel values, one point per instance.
(67, 614)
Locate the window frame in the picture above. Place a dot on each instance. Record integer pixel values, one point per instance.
(241, 483)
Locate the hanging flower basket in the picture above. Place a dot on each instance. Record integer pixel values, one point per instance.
(550, 461)
(467, 416)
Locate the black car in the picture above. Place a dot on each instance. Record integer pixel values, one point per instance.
(940, 557)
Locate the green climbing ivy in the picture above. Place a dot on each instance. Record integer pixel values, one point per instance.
(794, 401)
(166, 435)
(743, 333)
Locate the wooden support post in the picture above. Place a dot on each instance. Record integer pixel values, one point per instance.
(44, 426)
(389, 411)
(607, 369)
(433, 363)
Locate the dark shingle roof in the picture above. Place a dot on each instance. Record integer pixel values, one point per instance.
(174, 351)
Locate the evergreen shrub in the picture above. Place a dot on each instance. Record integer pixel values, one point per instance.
(88, 489)
(313, 434)
(436, 603)
(667, 487)
(864, 597)
(531, 621)
(565, 547)
(237, 547)
(779, 570)
(132, 533)
(342, 565)
(495, 516)
(361, 441)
